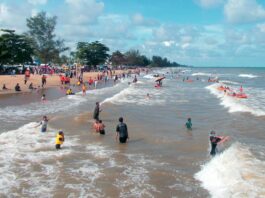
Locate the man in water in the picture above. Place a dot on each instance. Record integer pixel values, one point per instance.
(97, 110)
(214, 139)
(122, 131)
(189, 124)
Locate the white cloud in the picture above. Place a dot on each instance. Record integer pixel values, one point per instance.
(138, 19)
(36, 2)
(14, 17)
(243, 11)
(168, 43)
(209, 3)
(83, 11)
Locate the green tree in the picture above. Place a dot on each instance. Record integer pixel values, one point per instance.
(41, 30)
(92, 54)
(14, 48)
(117, 58)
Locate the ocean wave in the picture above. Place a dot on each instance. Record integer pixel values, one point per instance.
(254, 104)
(24, 154)
(202, 74)
(135, 95)
(233, 173)
(228, 82)
(247, 76)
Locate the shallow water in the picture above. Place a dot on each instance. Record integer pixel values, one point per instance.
(162, 158)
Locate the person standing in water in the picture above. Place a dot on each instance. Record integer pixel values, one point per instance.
(84, 89)
(43, 124)
(214, 140)
(97, 110)
(59, 140)
(189, 124)
(122, 131)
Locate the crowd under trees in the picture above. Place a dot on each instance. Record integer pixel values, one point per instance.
(41, 43)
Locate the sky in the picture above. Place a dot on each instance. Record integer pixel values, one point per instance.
(229, 33)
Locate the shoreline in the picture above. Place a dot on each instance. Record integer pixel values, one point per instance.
(52, 81)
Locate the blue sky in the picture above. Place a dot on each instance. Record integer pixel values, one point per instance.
(194, 32)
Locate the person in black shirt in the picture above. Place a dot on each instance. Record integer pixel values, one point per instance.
(97, 110)
(122, 131)
(214, 141)
(17, 87)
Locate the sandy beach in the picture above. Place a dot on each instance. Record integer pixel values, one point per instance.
(52, 81)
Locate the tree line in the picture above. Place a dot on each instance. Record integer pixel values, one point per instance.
(41, 43)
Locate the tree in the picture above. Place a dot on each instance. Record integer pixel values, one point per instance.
(41, 30)
(117, 58)
(92, 54)
(14, 48)
(133, 58)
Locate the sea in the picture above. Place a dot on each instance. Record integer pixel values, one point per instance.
(161, 159)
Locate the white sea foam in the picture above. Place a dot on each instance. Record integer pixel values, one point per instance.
(136, 177)
(135, 95)
(254, 104)
(24, 157)
(247, 76)
(149, 76)
(202, 74)
(228, 82)
(234, 173)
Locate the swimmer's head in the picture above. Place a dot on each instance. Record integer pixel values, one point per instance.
(212, 133)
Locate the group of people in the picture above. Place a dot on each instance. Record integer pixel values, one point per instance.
(59, 139)
(121, 129)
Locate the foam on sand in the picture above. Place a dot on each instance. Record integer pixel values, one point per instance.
(234, 173)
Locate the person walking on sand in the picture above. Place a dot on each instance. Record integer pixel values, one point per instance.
(122, 131)
(43, 80)
(97, 110)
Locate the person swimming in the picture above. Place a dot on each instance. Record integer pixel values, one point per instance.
(59, 140)
(147, 96)
(189, 124)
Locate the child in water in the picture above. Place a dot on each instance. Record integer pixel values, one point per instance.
(59, 140)
(43, 124)
(189, 124)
